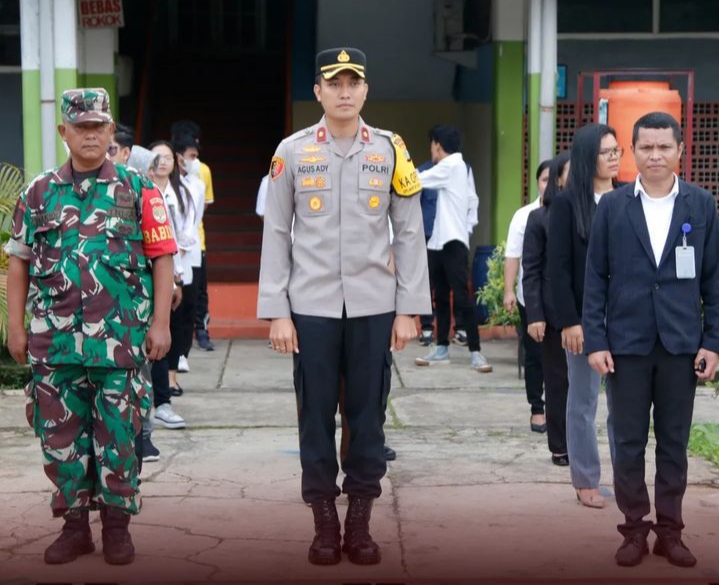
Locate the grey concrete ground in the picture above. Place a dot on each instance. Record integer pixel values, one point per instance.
(472, 497)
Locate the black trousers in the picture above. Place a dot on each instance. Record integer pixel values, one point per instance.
(357, 351)
(427, 321)
(448, 272)
(161, 382)
(182, 321)
(668, 383)
(533, 376)
(556, 389)
(202, 306)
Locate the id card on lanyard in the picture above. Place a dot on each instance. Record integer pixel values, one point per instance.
(686, 267)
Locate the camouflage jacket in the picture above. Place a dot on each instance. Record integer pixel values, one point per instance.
(88, 248)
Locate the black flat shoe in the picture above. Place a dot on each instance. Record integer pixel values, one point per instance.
(389, 453)
(538, 428)
(176, 391)
(561, 460)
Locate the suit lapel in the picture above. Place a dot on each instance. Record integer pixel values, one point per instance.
(680, 214)
(639, 223)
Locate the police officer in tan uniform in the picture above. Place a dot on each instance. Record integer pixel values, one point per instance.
(334, 300)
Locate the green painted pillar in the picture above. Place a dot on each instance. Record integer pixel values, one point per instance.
(508, 136)
(508, 29)
(31, 115)
(65, 34)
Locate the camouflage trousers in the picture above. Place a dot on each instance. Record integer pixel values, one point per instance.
(87, 420)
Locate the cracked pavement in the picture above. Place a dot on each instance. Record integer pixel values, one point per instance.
(472, 495)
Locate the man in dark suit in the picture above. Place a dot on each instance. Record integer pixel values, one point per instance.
(652, 264)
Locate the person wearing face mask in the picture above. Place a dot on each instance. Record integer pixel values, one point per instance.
(202, 317)
(189, 162)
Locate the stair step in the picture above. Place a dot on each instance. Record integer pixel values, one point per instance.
(233, 240)
(229, 222)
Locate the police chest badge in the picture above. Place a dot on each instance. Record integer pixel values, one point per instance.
(315, 203)
(277, 167)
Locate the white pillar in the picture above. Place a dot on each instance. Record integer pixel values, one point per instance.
(65, 37)
(548, 90)
(47, 84)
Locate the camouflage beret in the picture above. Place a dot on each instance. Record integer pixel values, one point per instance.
(330, 62)
(85, 105)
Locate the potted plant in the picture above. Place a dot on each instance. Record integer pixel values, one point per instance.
(12, 182)
(501, 323)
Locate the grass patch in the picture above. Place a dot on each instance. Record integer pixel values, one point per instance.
(704, 441)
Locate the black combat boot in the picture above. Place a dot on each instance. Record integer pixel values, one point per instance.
(117, 545)
(358, 543)
(325, 548)
(74, 540)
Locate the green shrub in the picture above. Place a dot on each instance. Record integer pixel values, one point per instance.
(491, 295)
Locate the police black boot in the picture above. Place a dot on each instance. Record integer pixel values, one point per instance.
(117, 547)
(325, 548)
(74, 540)
(358, 543)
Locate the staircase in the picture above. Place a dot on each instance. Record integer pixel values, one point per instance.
(240, 132)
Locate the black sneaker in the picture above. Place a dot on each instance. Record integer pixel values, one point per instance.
(203, 340)
(460, 337)
(150, 453)
(425, 338)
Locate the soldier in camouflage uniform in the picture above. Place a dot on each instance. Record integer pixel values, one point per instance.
(92, 246)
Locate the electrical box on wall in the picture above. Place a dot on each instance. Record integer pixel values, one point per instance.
(460, 26)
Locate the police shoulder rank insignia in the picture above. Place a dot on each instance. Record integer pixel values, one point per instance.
(277, 167)
(404, 180)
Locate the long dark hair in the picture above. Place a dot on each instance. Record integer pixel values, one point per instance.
(580, 184)
(556, 168)
(182, 192)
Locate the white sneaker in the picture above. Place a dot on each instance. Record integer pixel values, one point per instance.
(438, 356)
(168, 418)
(183, 365)
(480, 363)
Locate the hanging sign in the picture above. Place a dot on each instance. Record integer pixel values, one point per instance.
(100, 13)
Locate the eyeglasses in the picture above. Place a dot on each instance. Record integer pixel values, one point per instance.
(612, 152)
(112, 149)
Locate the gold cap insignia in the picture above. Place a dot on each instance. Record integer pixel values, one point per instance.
(343, 57)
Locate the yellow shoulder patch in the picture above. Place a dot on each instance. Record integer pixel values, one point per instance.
(405, 180)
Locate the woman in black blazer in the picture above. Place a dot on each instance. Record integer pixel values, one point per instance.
(541, 317)
(594, 166)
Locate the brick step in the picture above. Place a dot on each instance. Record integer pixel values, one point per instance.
(233, 240)
(233, 273)
(234, 205)
(229, 222)
(240, 256)
(239, 329)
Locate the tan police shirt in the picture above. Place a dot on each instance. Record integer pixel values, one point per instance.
(341, 205)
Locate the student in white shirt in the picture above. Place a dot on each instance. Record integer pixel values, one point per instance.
(533, 375)
(448, 247)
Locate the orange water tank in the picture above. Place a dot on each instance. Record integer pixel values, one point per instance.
(627, 101)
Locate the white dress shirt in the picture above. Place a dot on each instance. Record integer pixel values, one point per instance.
(515, 240)
(658, 215)
(262, 196)
(454, 200)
